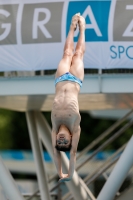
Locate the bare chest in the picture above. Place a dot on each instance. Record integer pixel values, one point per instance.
(65, 111)
(67, 118)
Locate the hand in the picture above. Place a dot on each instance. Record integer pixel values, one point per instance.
(64, 177)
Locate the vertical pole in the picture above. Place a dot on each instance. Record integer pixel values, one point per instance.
(75, 186)
(8, 183)
(118, 174)
(100, 79)
(35, 143)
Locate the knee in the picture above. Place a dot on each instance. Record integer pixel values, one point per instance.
(68, 53)
(79, 54)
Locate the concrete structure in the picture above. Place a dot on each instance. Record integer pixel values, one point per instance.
(37, 93)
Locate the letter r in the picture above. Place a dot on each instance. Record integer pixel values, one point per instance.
(40, 24)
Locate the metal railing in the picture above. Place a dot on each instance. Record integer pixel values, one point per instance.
(52, 72)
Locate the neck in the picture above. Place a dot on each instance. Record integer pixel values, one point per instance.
(62, 127)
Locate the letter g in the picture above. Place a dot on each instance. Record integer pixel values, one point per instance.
(7, 26)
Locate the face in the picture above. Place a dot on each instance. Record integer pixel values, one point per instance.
(63, 139)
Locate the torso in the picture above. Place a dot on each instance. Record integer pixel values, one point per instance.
(65, 110)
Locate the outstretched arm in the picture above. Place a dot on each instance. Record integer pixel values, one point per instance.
(75, 140)
(57, 156)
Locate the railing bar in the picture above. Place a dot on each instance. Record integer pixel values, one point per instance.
(101, 171)
(54, 187)
(66, 196)
(33, 195)
(52, 178)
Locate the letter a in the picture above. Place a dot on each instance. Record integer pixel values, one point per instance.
(88, 12)
(93, 25)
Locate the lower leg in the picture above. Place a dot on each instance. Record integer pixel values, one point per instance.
(77, 67)
(80, 47)
(65, 63)
(69, 44)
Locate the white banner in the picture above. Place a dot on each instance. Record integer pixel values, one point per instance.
(33, 33)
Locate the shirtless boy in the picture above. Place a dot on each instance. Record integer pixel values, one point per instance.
(65, 114)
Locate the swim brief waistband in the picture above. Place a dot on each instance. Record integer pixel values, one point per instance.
(68, 77)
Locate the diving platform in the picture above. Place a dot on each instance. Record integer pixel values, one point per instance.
(99, 92)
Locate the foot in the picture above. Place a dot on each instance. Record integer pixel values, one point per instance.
(81, 23)
(74, 21)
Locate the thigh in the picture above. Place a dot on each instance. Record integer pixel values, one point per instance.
(64, 65)
(77, 67)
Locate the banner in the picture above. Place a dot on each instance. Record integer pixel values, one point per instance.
(33, 33)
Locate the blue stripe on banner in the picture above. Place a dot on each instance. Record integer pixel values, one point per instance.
(27, 155)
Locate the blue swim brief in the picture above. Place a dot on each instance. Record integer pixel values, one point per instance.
(68, 77)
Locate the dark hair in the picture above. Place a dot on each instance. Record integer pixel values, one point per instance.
(63, 148)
